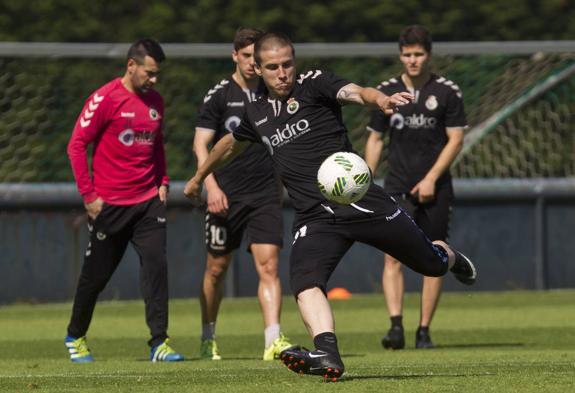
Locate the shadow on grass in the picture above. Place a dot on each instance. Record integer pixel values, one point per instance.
(410, 376)
(481, 345)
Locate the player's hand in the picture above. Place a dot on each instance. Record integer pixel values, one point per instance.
(424, 191)
(94, 208)
(391, 104)
(163, 194)
(217, 202)
(193, 191)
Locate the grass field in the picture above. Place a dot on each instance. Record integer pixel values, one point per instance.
(487, 342)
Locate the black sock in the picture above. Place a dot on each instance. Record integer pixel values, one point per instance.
(326, 342)
(423, 329)
(397, 321)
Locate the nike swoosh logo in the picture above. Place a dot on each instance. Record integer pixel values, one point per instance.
(313, 356)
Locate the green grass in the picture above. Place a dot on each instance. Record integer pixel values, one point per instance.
(487, 342)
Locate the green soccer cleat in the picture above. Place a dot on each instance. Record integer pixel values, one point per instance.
(165, 353)
(278, 345)
(209, 350)
(78, 349)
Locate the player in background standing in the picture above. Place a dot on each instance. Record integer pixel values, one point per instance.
(425, 136)
(243, 197)
(299, 121)
(125, 196)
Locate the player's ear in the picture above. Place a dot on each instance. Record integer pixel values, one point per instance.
(235, 56)
(131, 66)
(257, 69)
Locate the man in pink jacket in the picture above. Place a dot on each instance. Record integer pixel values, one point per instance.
(125, 195)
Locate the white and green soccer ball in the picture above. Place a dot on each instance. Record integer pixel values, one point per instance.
(343, 178)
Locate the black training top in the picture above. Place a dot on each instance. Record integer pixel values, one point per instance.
(299, 132)
(418, 130)
(249, 174)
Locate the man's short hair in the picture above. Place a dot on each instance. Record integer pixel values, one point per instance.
(271, 40)
(245, 36)
(146, 47)
(415, 35)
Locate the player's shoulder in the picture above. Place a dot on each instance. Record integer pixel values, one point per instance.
(110, 89)
(443, 84)
(391, 84)
(219, 89)
(308, 78)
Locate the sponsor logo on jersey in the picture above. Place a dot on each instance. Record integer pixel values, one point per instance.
(398, 121)
(235, 104)
(100, 236)
(127, 114)
(232, 123)
(292, 106)
(431, 103)
(154, 115)
(128, 137)
(285, 135)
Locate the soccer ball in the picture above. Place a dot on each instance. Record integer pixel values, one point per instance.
(343, 178)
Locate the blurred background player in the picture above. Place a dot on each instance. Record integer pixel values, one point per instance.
(125, 196)
(425, 138)
(299, 120)
(243, 197)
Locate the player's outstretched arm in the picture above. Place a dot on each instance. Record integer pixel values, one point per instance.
(223, 152)
(373, 98)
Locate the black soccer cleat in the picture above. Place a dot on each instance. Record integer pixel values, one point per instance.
(394, 339)
(303, 361)
(423, 339)
(463, 268)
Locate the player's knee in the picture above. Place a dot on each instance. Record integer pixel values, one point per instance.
(300, 284)
(391, 263)
(93, 285)
(268, 268)
(217, 266)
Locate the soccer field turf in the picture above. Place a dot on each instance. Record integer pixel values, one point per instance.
(487, 342)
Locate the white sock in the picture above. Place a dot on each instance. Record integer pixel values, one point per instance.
(208, 331)
(271, 333)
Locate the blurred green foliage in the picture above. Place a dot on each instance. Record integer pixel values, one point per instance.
(304, 20)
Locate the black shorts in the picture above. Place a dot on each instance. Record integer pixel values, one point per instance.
(262, 220)
(433, 217)
(319, 246)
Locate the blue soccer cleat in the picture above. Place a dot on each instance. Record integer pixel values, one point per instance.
(165, 353)
(78, 349)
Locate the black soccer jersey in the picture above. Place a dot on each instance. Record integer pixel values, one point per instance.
(299, 132)
(418, 130)
(250, 173)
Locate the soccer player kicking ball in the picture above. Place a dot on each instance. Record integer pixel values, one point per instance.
(299, 120)
(125, 198)
(242, 197)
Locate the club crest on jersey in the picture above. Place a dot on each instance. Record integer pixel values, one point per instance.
(154, 115)
(431, 103)
(292, 106)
